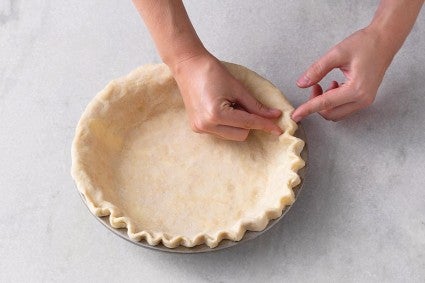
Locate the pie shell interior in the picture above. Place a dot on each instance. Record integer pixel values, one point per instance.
(136, 160)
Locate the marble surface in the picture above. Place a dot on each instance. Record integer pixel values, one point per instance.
(360, 218)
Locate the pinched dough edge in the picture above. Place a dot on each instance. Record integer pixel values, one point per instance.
(102, 208)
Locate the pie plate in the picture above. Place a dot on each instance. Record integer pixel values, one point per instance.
(249, 235)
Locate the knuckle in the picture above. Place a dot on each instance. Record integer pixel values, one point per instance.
(359, 94)
(199, 125)
(212, 115)
(259, 106)
(368, 100)
(316, 68)
(326, 103)
(308, 111)
(329, 116)
(325, 115)
(336, 52)
(247, 123)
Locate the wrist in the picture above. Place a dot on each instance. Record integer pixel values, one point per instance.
(383, 41)
(181, 51)
(393, 21)
(192, 62)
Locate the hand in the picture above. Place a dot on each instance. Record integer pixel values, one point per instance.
(363, 59)
(219, 104)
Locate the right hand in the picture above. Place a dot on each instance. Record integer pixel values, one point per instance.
(217, 103)
(363, 58)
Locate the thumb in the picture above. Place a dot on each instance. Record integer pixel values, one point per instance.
(319, 69)
(253, 106)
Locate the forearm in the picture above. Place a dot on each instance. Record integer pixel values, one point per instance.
(393, 22)
(171, 29)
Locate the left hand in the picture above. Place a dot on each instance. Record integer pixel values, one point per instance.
(363, 59)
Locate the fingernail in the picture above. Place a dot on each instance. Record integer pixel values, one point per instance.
(303, 81)
(276, 133)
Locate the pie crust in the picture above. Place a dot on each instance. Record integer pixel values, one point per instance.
(136, 160)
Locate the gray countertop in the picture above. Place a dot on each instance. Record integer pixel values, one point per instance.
(360, 217)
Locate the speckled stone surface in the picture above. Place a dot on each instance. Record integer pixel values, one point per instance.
(360, 217)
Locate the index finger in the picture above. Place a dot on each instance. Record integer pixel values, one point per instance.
(326, 101)
(242, 119)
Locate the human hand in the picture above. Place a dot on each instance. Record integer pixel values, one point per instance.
(363, 59)
(219, 104)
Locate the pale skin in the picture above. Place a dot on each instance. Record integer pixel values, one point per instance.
(218, 104)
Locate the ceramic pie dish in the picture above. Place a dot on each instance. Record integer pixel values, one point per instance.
(136, 160)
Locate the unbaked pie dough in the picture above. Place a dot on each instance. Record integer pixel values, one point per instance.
(135, 158)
